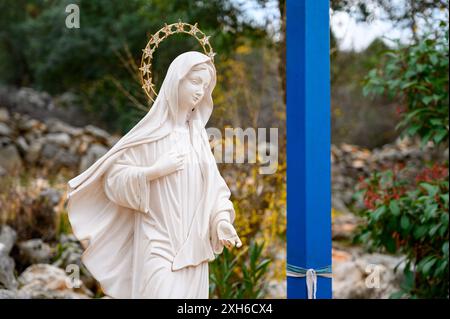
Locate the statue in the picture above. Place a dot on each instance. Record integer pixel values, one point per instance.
(154, 210)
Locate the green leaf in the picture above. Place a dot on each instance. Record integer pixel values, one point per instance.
(372, 73)
(440, 267)
(397, 295)
(430, 210)
(427, 99)
(404, 222)
(440, 135)
(391, 245)
(443, 230)
(445, 198)
(408, 281)
(395, 209)
(427, 266)
(433, 230)
(412, 130)
(437, 122)
(445, 248)
(419, 232)
(434, 59)
(426, 138)
(431, 189)
(407, 85)
(378, 212)
(444, 219)
(410, 115)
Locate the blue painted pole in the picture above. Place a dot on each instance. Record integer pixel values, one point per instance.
(308, 142)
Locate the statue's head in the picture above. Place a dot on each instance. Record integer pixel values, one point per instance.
(193, 85)
(188, 84)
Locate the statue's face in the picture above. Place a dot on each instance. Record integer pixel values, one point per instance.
(193, 86)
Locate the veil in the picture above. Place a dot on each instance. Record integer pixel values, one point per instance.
(156, 123)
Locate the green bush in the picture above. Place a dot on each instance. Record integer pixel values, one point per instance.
(401, 215)
(240, 276)
(411, 219)
(417, 77)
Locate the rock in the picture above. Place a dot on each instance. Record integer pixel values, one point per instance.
(4, 115)
(358, 163)
(55, 157)
(5, 141)
(31, 136)
(10, 158)
(94, 152)
(344, 226)
(41, 106)
(84, 142)
(338, 204)
(70, 252)
(34, 251)
(368, 276)
(28, 98)
(348, 148)
(341, 255)
(12, 294)
(277, 289)
(61, 139)
(66, 159)
(5, 130)
(57, 126)
(51, 196)
(67, 100)
(27, 124)
(75, 146)
(7, 294)
(34, 150)
(113, 140)
(7, 277)
(22, 145)
(49, 151)
(7, 239)
(97, 132)
(50, 282)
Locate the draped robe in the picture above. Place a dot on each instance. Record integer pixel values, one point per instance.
(167, 207)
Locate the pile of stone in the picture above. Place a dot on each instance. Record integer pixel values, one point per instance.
(50, 272)
(27, 142)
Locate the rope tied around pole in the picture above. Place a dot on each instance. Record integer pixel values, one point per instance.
(311, 276)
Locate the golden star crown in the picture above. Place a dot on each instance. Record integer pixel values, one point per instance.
(156, 39)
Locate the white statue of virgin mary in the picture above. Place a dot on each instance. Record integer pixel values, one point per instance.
(154, 210)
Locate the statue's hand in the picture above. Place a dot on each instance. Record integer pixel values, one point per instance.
(228, 235)
(168, 163)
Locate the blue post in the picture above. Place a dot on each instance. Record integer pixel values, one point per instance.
(308, 143)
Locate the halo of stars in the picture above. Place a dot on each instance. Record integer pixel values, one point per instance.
(158, 37)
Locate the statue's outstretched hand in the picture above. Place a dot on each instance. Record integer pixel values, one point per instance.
(228, 235)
